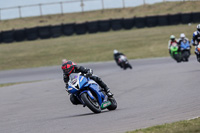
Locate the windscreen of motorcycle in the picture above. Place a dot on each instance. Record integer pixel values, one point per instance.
(73, 83)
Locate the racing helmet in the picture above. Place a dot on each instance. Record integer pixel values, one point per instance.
(172, 37)
(67, 67)
(198, 27)
(115, 51)
(182, 35)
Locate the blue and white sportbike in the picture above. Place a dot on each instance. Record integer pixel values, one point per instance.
(185, 50)
(89, 93)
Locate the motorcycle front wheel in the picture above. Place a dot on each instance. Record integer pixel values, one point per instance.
(177, 57)
(185, 55)
(92, 104)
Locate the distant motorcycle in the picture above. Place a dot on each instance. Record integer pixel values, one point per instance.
(185, 50)
(175, 53)
(89, 93)
(123, 62)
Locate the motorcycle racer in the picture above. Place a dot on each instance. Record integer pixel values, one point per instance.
(116, 55)
(196, 40)
(196, 36)
(171, 41)
(69, 67)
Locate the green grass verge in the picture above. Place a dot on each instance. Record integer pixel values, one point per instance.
(135, 43)
(10, 84)
(187, 126)
(140, 11)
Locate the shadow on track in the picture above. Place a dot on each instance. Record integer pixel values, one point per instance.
(79, 115)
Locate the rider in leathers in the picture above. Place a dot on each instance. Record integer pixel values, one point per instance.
(116, 55)
(69, 67)
(171, 41)
(196, 40)
(183, 38)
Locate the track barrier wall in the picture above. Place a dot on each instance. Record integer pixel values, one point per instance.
(116, 24)
(7, 36)
(104, 25)
(31, 33)
(19, 35)
(52, 31)
(92, 27)
(128, 23)
(80, 28)
(68, 29)
(56, 31)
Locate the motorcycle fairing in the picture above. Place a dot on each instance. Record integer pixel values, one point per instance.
(78, 82)
(185, 45)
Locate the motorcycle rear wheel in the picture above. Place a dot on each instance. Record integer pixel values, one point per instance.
(113, 105)
(93, 105)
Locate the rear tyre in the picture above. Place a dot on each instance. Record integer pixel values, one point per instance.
(93, 105)
(113, 105)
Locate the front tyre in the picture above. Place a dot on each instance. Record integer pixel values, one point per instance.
(177, 57)
(93, 105)
(113, 105)
(185, 55)
(129, 65)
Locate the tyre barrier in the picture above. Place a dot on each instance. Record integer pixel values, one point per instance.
(186, 18)
(140, 22)
(68, 29)
(19, 35)
(0, 38)
(80, 28)
(56, 31)
(163, 20)
(92, 27)
(31, 33)
(44, 32)
(196, 17)
(104, 25)
(151, 21)
(116, 24)
(7, 36)
(128, 23)
(175, 19)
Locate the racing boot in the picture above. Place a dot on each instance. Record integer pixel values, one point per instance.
(106, 89)
(108, 93)
(102, 85)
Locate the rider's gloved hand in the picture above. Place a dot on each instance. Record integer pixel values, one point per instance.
(89, 72)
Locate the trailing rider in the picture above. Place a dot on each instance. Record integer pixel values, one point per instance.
(171, 41)
(195, 41)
